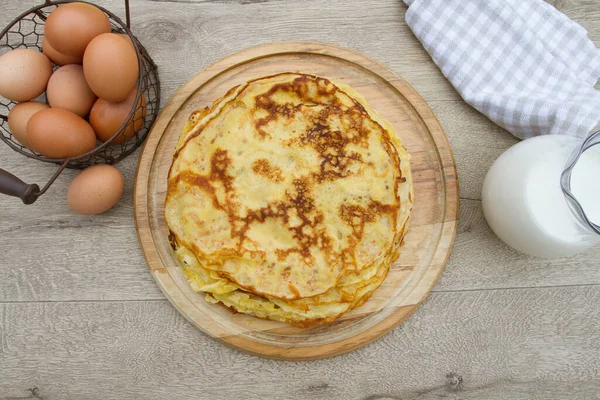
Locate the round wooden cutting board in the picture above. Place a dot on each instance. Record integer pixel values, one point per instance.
(432, 226)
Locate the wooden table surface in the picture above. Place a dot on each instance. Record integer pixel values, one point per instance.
(81, 316)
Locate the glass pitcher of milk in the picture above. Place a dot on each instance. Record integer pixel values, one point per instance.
(542, 196)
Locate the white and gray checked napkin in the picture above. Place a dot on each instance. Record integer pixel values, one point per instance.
(522, 63)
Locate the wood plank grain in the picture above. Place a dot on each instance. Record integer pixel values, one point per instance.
(475, 140)
(481, 261)
(584, 12)
(521, 343)
(202, 33)
(51, 253)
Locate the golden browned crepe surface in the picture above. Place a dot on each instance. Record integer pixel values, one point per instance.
(288, 199)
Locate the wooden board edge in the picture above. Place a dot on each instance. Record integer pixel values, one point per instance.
(423, 110)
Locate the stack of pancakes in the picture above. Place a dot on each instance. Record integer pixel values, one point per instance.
(288, 199)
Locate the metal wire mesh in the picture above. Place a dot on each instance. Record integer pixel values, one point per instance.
(27, 31)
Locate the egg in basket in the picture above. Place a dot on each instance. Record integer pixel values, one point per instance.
(77, 89)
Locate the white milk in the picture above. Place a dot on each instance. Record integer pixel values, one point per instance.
(525, 206)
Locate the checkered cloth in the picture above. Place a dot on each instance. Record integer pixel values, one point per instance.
(522, 63)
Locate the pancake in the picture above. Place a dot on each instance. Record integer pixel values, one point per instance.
(288, 199)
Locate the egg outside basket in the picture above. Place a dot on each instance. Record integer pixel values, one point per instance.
(27, 31)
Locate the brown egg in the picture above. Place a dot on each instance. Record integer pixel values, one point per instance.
(111, 67)
(59, 58)
(68, 89)
(106, 118)
(24, 74)
(126, 37)
(71, 27)
(57, 133)
(96, 189)
(19, 117)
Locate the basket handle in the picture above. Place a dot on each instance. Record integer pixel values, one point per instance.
(13, 186)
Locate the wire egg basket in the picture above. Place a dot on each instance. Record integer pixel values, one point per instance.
(27, 31)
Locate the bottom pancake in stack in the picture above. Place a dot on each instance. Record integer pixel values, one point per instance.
(288, 199)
